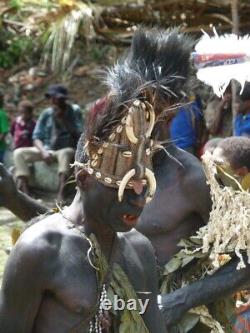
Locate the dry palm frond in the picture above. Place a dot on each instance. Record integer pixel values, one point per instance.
(228, 228)
(63, 33)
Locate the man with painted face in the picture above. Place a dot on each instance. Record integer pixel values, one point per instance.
(66, 266)
(159, 62)
(155, 72)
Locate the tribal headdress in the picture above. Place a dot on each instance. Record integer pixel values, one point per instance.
(119, 143)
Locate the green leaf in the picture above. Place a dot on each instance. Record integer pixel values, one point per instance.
(187, 260)
(188, 321)
(173, 265)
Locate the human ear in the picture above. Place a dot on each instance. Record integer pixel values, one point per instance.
(82, 179)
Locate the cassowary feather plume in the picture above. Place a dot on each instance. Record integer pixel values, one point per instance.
(156, 67)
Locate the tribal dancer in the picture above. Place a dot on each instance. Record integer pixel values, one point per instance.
(63, 268)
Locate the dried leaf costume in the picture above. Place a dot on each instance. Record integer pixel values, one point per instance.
(226, 235)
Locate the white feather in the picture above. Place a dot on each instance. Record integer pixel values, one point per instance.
(219, 76)
(228, 43)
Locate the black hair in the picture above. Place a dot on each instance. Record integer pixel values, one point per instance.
(236, 150)
(27, 105)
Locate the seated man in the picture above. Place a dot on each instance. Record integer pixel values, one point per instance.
(55, 136)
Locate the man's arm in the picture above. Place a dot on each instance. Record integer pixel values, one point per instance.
(21, 293)
(152, 316)
(38, 136)
(223, 283)
(39, 145)
(47, 155)
(74, 124)
(17, 202)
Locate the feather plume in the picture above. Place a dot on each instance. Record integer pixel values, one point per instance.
(157, 64)
(220, 59)
(158, 60)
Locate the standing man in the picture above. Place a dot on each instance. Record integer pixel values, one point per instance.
(187, 128)
(65, 267)
(4, 127)
(55, 136)
(181, 204)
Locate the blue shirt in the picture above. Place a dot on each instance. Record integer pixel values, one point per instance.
(45, 126)
(242, 125)
(183, 131)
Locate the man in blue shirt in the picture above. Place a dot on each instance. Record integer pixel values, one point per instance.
(242, 119)
(55, 137)
(186, 125)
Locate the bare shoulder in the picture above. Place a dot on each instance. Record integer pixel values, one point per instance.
(194, 183)
(42, 240)
(140, 243)
(192, 171)
(40, 233)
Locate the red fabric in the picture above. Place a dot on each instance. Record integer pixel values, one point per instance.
(242, 320)
(98, 107)
(22, 132)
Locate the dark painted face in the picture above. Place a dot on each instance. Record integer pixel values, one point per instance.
(101, 205)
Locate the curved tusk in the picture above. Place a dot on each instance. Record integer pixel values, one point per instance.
(124, 182)
(151, 120)
(152, 184)
(129, 130)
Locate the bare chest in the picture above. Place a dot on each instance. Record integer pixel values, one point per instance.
(169, 217)
(74, 296)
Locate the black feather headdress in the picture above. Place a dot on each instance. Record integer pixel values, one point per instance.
(150, 77)
(157, 60)
(157, 65)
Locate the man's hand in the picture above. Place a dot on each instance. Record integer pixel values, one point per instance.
(7, 185)
(173, 307)
(47, 157)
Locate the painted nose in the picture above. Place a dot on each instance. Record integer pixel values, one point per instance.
(137, 186)
(138, 201)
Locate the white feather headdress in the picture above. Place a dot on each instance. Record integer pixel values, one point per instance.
(219, 59)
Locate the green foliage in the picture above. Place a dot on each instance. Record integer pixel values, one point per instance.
(98, 53)
(16, 3)
(13, 49)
